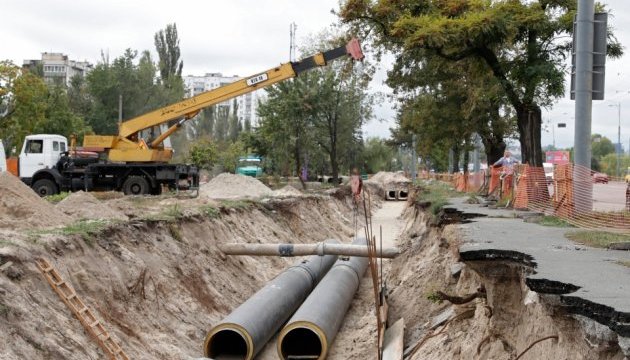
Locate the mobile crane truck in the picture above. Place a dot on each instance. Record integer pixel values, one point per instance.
(130, 163)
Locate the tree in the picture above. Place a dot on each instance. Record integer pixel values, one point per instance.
(203, 153)
(519, 41)
(167, 47)
(377, 155)
(601, 146)
(29, 106)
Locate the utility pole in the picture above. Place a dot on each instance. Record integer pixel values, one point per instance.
(618, 147)
(292, 30)
(583, 105)
(119, 109)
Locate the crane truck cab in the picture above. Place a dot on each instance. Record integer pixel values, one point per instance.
(38, 159)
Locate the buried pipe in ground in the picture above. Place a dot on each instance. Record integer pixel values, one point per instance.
(313, 327)
(402, 195)
(243, 333)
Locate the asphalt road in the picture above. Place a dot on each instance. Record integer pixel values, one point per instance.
(609, 197)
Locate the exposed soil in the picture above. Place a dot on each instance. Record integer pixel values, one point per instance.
(22, 208)
(158, 282)
(83, 205)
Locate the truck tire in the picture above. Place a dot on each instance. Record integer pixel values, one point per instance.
(136, 185)
(45, 187)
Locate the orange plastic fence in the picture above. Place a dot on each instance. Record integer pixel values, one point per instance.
(573, 193)
(12, 166)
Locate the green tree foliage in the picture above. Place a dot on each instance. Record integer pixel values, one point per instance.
(523, 43)
(167, 46)
(608, 164)
(31, 107)
(203, 153)
(316, 116)
(601, 146)
(228, 156)
(377, 155)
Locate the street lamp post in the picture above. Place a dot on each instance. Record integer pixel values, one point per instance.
(618, 147)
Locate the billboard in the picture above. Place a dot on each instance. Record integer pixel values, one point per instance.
(558, 157)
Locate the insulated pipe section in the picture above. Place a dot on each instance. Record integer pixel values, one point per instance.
(243, 333)
(312, 329)
(285, 250)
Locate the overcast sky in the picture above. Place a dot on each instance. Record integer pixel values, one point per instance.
(239, 37)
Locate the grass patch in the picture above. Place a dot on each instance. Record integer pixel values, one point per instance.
(173, 228)
(553, 221)
(210, 211)
(472, 199)
(87, 229)
(173, 212)
(5, 242)
(57, 197)
(437, 194)
(236, 204)
(598, 239)
(625, 263)
(4, 310)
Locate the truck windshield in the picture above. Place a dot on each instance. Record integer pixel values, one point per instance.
(35, 146)
(249, 162)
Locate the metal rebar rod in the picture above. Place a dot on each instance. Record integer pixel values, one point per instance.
(304, 249)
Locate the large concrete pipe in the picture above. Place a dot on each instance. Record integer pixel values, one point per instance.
(323, 248)
(312, 329)
(243, 333)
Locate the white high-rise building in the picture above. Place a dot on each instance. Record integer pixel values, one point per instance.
(58, 68)
(195, 85)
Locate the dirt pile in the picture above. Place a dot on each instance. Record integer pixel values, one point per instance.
(21, 207)
(287, 191)
(386, 178)
(83, 205)
(230, 186)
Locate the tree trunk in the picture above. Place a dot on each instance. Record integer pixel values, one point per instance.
(298, 164)
(466, 158)
(456, 155)
(529, 119)
(494, 148)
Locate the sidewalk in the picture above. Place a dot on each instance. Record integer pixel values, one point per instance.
(588, 280)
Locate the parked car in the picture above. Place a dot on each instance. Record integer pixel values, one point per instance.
(600, 178)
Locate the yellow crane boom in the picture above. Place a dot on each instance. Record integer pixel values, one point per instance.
(127, 147)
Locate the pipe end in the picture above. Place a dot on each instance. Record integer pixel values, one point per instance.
(228, 341)
(302, 340)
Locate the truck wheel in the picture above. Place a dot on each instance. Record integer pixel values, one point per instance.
(136, 185)
(45, 187)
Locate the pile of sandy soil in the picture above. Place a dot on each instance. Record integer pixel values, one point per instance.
(83, 205)
(21, 207)
(287, 191)
(385, 178)
(230, 186)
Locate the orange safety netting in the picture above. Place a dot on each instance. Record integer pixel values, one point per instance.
(576, 194)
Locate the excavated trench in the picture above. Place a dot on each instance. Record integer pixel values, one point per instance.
(502, 315)
(160, 284)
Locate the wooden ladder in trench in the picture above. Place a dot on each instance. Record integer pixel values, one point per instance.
(91, 324)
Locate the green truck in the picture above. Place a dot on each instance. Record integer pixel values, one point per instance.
(250, 165)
